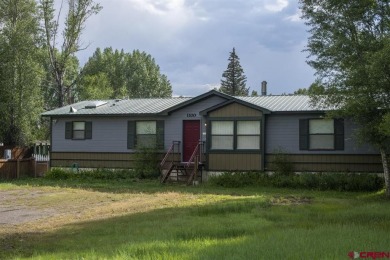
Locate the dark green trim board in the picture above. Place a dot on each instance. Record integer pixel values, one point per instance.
(160, 133)
(130, 134)
(88, 130)
(263, 140)
(339, 134)
(303, 134)
(68, 130)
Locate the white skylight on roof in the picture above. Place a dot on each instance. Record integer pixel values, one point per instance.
(95, 104)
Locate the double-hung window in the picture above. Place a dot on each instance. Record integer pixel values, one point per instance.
(222, 135)
(235, 135)
(145, 134)
(78, 130)
(321, 134)
(248, 135)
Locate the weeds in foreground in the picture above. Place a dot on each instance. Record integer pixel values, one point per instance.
(312, 181)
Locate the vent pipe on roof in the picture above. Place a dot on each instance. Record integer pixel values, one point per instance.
(72, 110)
(264, 88)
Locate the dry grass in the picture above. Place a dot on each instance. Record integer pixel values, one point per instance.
(30, 209)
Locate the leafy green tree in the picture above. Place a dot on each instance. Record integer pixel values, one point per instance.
(20, 72)
(133, 74)
(60, 57)
(315, 89)
(143, 77)
(233, 80)
(95, 87)
(350, 50)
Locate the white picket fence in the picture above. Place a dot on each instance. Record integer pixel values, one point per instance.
(41, 158)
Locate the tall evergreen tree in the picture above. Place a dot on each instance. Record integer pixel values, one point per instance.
(233, 79)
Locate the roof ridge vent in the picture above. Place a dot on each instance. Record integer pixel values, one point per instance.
(95, 104)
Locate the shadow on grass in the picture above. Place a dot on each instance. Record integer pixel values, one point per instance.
(155, 231)
(154, 186)
(229, 229)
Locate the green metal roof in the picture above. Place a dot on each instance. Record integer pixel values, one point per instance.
(136, 106)
(155, 106)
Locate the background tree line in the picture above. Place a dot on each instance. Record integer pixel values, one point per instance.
(39, 69)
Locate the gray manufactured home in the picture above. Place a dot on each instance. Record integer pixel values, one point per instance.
(236, 133)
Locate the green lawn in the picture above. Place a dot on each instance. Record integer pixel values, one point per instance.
(145, 220)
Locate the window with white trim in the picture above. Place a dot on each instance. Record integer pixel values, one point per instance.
(235, 135)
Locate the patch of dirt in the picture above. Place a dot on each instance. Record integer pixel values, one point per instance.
(14, 210)
(290, 200)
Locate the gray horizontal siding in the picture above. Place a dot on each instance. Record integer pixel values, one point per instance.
(282, 131)
(109, 134)
(174, 123)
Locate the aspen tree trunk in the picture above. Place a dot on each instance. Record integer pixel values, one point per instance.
(386, 173)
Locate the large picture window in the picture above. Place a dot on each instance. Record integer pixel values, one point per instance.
(235, 135)
(321, 134)
(78, 130)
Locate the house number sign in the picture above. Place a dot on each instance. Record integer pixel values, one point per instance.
(191, 115)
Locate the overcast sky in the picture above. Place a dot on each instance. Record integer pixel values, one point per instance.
(191, 40)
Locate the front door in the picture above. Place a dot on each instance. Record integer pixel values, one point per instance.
(191, 136)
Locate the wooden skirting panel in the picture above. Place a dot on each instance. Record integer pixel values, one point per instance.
(330, 162)
(234, 162)
(95, 160)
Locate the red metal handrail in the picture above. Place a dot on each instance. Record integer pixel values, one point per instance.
(196, 150)
(170, 150)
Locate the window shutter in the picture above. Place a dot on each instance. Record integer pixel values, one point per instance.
(303, 134)
(339, 134)
(88, 130)
(68, 130)
(160, 134)
(130, 134)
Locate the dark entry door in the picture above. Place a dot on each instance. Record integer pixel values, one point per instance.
(191, 135)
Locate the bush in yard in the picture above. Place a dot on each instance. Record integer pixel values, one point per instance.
(236, 179)
(59, 174)
(282, 163)
(96, 174)
(146, 162)
(313, 181)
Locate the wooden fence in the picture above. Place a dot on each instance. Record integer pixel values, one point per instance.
(17, 168)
